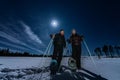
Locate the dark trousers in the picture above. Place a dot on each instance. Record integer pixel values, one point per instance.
(76, 54)
(57, 54)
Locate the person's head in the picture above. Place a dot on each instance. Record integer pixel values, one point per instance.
(73, 32)
(62, 32)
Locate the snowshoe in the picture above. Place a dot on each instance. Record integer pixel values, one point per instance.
(72, 64)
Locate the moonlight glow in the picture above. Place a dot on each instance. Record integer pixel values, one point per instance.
(54, 23)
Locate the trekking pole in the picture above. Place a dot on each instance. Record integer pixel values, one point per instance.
(50, 43)
(90, 55)
(64, 52)
(48, 47)
(46, 52)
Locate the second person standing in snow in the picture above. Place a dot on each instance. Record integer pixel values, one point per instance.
(75, 40)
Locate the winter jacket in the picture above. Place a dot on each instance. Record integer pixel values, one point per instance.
(75, 39)
(59, 40)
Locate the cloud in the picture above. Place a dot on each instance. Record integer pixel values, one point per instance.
(16, 41)
(12, 45)
(22, 36)
(20, 47)
(31, 34)
(10, 38)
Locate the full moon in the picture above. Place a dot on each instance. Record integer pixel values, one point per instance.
(54, 23)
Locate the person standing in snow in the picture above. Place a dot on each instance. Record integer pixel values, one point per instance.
(75, 40)
(59, 44)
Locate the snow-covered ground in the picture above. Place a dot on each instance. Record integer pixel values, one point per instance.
(106, 67)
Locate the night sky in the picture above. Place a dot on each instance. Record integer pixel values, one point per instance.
(25, 25)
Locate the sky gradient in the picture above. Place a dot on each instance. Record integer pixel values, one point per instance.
(25, 25)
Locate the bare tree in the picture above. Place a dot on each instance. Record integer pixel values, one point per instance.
(117, 50)
(111, 50)
(105, 50)
(98, 52)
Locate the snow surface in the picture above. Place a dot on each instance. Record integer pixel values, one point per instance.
(106, 67)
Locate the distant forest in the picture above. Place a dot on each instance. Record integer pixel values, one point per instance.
(108, 51)
(7, 52)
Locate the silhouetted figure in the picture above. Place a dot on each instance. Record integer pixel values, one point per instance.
(117, 49)
(59, 44)
(111, 50)
(105, 50)
(98, 52)
(75, 40)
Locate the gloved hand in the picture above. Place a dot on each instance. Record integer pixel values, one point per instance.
(52, 36)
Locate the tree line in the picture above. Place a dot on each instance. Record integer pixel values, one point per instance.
(7, 52)
(108, 51)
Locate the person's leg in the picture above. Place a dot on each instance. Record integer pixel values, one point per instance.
(55, 52)
(52, 67)
(74, 52)
(60, 54)
(78, 57)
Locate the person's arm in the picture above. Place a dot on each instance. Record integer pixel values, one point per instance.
(52, 36)
(80, 37)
